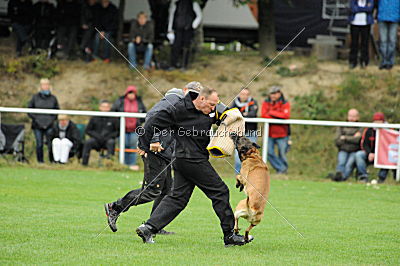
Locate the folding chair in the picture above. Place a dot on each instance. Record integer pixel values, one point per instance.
(12, 141)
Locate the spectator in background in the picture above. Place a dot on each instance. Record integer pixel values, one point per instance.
(88, 13)
(106, 21)
(277, 107)
(65, 139)
(388, 20)
(20, 13)
(68, 20)
(42, 123)
(132, 103)
(44, 24)
(184, 17)
(360, 27)
(367, 154)
(141, 40)
(248, 107)
(103, 130)
(348, 142)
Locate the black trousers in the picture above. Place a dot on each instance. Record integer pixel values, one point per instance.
(359, 42)
(22, 33)
(157, 183)
(189, 174)
(66, 36)
(95, 144)
(42, 37)
(181, 47)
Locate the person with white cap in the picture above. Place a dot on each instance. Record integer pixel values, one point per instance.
(157, 180)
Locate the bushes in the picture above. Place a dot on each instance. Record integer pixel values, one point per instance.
(37, 65)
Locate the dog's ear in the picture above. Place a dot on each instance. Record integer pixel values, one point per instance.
(256, 145)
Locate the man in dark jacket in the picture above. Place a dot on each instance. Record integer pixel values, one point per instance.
(20, 13)
(87, 24)
(248, 107)
(103, 131)
(366, 155)
(65, 139)
(348, 143)
(44, 23)
(132, 103)
(141, 38)
(190, 120)
(157, 168)
(106, 21)
(68, 21)
(185, 16)
(42, 123)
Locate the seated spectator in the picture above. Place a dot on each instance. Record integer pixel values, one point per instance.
(132, 103)
(44, 24)
(141, 40)
(367, 154)
(388, 21)
(103, 131)
(276, 106)
(65, 139)
(68, 16)
(42, 123)
(348, 142)
(360, 26)
(248, 107)
(106, 21)
(20, 13)
(87, 20)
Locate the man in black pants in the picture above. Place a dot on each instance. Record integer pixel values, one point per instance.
(103, 130)
(157, 181)
(185, 16)
(190, 120)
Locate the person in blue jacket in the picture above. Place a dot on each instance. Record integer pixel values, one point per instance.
(360, 20)
(388, 20)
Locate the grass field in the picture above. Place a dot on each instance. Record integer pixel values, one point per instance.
(56, 216)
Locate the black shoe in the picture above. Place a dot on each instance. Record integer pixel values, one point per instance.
(352, 65)
(145, 232)
(236, 240)
(338, 177)
(112, 216)
(382, 67)
(381, 181)
(389, 67)
(163, 232)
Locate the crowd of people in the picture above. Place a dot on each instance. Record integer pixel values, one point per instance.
(94, 24)
(357, 149)
(362, 17)
(356, 145)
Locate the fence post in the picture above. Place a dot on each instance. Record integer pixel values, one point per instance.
(398, 160)
(121, 139)
(265, 142)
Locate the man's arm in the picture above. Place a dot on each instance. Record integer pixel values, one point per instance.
(197, 11)
(284, 113)
(253, 109)
(90, 130)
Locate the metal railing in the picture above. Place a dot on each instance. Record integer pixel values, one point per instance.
(265, 121)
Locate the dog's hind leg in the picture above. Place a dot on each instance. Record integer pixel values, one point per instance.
(246, 235)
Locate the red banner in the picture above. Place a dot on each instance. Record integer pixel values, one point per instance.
(386, 149)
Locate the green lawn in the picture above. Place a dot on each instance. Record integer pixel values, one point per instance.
(56, 216)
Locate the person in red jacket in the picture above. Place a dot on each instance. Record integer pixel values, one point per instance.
(275, 106)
